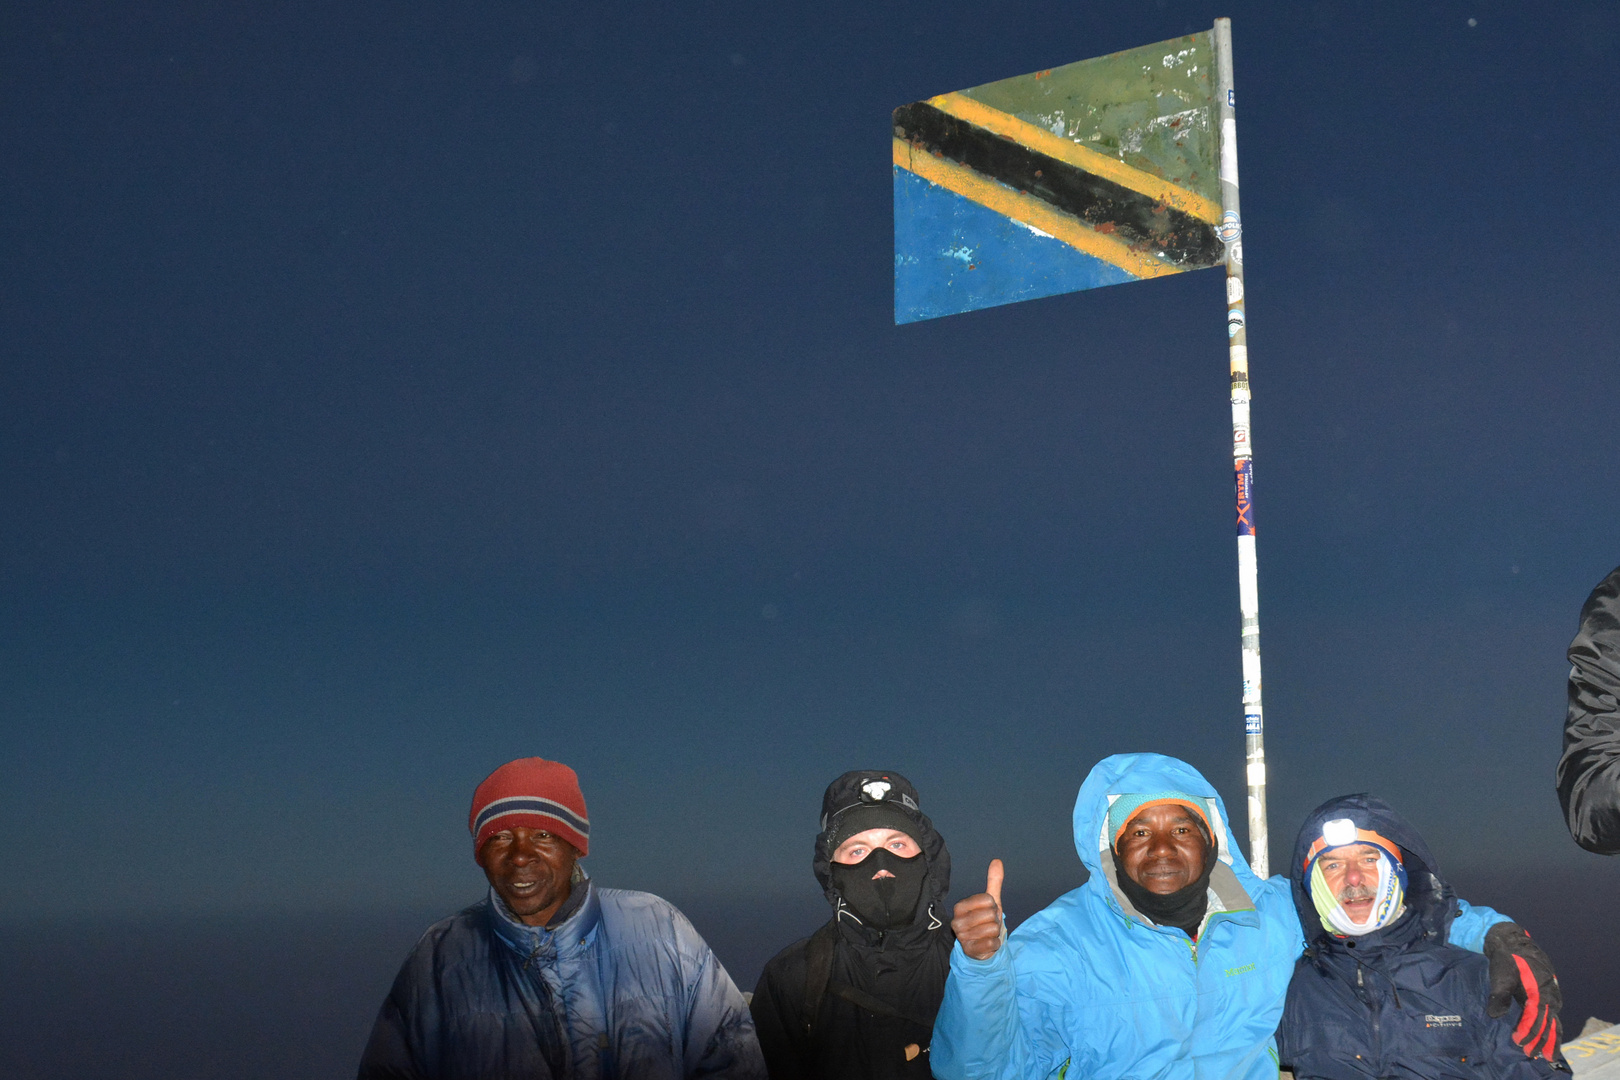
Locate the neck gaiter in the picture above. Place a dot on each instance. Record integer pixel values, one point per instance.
(1183, 909)
(888, 903)
(1388, 900)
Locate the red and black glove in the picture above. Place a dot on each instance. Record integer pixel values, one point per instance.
(1522, 972)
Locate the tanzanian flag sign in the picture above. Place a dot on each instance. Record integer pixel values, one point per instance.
(1094, 173)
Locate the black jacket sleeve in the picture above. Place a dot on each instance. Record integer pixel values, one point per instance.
(778, 1008)
(1589, 771)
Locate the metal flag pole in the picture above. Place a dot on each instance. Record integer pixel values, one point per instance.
(1231, 234)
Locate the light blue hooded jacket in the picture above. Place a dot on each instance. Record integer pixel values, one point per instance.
(1090, 989)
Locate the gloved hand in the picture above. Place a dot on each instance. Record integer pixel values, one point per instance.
(1522, 972)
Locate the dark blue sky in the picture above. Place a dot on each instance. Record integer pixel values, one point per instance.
(389, 390)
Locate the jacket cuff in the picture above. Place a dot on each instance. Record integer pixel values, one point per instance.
(968, 968)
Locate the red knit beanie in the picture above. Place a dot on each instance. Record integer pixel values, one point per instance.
(534, 793)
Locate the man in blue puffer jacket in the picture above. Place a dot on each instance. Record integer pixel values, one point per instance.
(1094, 987)
(550, 977)
(1379, 992)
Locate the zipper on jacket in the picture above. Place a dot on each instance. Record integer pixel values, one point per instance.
(1377, 1031)
(1393, 989)
(1377, 1041)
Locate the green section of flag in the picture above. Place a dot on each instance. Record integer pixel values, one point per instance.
(1152, 108)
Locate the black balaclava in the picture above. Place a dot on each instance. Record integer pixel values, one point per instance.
(887, 903)
(1184, 908)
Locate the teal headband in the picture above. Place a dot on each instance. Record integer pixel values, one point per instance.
(1124, 807)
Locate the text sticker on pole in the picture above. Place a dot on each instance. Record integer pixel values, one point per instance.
(1095, 173)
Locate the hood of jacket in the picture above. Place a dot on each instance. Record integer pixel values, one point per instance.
(1137, 774)
(857, 788)
(1429, 898)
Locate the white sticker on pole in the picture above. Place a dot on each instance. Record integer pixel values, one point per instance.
(1229, 151)
(1257, 774)
(1248, 586)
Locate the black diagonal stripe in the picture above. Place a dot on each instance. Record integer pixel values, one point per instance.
(1139, 220)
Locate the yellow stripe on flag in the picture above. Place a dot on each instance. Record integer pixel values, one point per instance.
(1039, 139)
(1029, 210)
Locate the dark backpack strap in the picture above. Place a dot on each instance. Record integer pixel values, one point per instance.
(875, 1005)
(818, 958)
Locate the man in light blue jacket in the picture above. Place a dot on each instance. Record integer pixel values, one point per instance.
(1172, 960)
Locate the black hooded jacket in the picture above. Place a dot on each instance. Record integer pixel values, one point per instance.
(1589, 771)
(875, 1015)
(1397, 1002)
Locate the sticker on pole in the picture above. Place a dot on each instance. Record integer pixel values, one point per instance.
(1096, 173)
(1244, 482)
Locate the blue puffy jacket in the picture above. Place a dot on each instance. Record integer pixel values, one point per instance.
(1090, 987)
(623, 989)
(1397, 1001)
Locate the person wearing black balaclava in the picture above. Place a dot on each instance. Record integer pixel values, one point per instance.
(856, 1000)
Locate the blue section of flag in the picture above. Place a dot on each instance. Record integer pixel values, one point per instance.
(953, 255)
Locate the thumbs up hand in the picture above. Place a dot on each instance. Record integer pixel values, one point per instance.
(978, 921)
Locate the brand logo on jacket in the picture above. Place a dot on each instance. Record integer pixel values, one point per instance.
(1430, 1020)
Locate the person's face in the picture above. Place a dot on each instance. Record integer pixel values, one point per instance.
(530, 869)
(862, 844)
(1351, 872)
(1162, 849)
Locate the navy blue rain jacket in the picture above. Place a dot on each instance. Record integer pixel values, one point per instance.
(623, 989)
(1398, 1002)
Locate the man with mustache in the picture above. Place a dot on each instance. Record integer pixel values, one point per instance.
(856, 1000)
(1379, 992)
(550, 976)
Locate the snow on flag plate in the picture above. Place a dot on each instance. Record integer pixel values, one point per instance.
(1096, 173)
